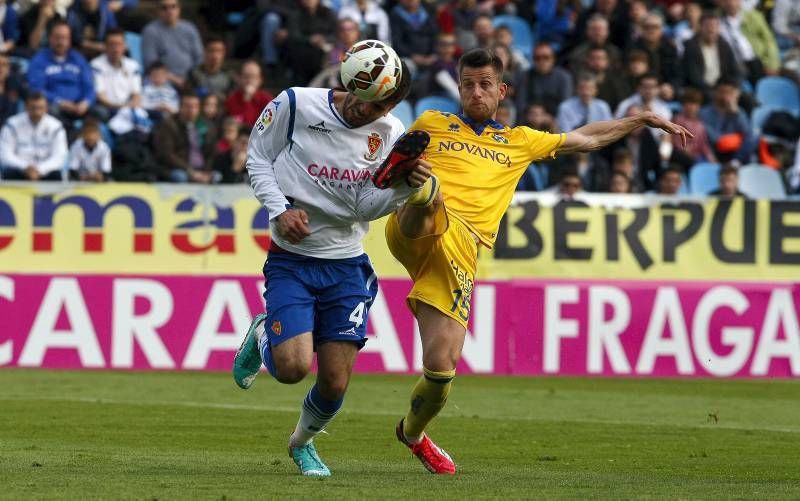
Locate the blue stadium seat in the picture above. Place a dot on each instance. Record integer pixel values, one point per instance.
(778, 92)
(758, 116)
(520, 30)
(759, 181)
(134, 43)
(436, 103)
(404, 113)
(704, 178)
(684, 189)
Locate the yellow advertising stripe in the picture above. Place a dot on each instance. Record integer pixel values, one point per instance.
(171, 229)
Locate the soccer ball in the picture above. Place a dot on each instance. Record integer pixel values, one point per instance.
(371, 70)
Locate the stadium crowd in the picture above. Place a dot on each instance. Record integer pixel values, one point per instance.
(120, 90)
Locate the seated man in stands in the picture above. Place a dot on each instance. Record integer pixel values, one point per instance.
(728, 183)
(62, 74)
(726, 124)
(33, 144)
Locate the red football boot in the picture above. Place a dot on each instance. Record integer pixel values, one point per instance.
(401, 159)
(433, 458)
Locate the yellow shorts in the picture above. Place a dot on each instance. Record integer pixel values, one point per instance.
(441, 265)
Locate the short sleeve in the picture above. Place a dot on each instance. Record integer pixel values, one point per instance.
(542, 144)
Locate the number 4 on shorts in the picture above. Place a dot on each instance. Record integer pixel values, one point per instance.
(357, 317)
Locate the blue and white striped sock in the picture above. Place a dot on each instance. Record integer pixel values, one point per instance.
(317, 413)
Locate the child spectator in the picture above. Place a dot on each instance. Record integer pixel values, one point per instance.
(89, 155)
(159, 97)
(229, 166)
(619, 183)
(699, 147)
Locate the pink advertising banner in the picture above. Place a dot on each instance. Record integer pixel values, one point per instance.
(524, 327)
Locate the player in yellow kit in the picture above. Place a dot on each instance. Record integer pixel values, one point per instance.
(478, 163)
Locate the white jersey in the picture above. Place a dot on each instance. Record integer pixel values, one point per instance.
(43, 145)
(302, 154)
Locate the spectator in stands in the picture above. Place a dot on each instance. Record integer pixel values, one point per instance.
(727, 125)
(33, 144)
(230, 164)
(172, 41)
(117, 79)
(708, 57)
(90, 20)
(537, 117)
(159, 97)
(748, 34)
(180, 149)
(617, 14)
(610, 86)
(689, 27)
(503, 36)
(272, 31)
(584, 108)
(311, 31)
(89, 155)
(248, 100)
(569, 185)
(36, 22)
(596, 36)
(372, 20)
(698, 148)
(555, 20)
(62, 74)
(637, 65)
(662, 55)
(513, 76)
(482, 31)
(785, 22)
(620, 183)
(456, 17)
(669, 182)
(9, 27)
(211, 77)
(622, 161)
(443, 77)
(414, 34)
(728, 183)
(10, 90)
(211, 114)
(506, 114)
(346, 35)
(545, 83)
(130, 16)
(646, 97)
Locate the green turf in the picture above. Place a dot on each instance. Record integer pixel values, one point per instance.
(78, 435)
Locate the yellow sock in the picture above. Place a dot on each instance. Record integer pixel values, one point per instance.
(427, 399)
(424, 197)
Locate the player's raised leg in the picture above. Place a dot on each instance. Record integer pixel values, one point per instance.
(321, 405)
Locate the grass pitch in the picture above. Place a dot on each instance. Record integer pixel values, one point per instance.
(78, 435)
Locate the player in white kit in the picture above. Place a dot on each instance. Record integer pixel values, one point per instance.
(310, 158)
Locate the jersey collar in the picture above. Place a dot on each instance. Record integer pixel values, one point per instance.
(478, 128)
(333, 110)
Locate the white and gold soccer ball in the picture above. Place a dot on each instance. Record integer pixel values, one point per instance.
(371, 70)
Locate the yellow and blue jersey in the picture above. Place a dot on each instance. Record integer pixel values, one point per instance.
(479, 165)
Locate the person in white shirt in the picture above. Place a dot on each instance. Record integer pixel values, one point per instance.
(117, 79)
(647, 98)
(89, 155)
(311, 157)
(33, 144)
(373, 22)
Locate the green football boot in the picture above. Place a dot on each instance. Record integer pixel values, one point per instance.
(247, 362)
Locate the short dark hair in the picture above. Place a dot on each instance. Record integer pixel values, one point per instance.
(707, 15)
(115, 32)
(728, 169)
(723, 80)
(214, 38)
(58, 22)
(403, 86)
(647, 76)
(669, 170)
(188, 94)
(35, 96)
(478, 58)
(156, 65)
(692, 95)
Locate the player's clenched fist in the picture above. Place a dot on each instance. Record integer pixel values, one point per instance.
(293, 225)
(419, 173)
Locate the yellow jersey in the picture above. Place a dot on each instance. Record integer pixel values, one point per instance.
(479, 166)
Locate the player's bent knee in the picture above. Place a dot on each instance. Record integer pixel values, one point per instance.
(291, 373)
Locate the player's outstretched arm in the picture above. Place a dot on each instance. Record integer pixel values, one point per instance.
(597, 135)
